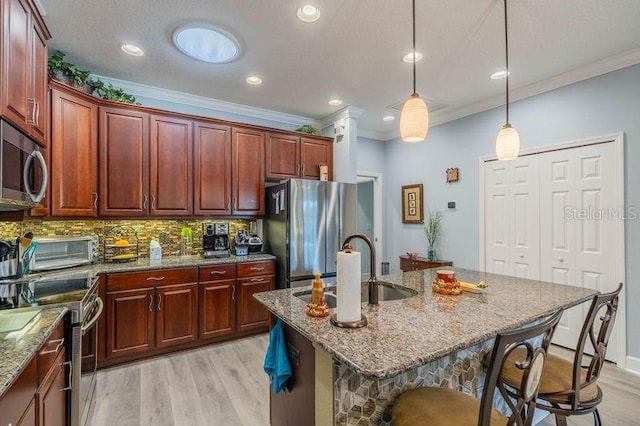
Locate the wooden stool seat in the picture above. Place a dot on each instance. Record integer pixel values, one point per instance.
(439, 407)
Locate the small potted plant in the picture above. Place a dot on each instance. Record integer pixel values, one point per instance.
(432, 231)
(308, 129)
(67, 73)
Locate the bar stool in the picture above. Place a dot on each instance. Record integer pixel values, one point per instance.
(447, 407)
(571, 388)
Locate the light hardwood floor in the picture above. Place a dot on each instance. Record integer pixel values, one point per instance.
(224, 384)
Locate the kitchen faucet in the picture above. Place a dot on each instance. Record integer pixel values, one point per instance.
(373, 281)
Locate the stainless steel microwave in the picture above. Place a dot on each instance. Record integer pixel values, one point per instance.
(23, 170)
(63, 252)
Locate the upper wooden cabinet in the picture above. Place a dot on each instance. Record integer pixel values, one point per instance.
(24, 68)
(248, 152)
(124, 162)
(74, 155)
(291, 156)
(171, 167)
(212, 169)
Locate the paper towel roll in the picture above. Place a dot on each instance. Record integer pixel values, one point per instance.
(348, 286)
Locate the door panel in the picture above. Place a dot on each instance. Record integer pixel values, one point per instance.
(39, 84)
(217, 308)
(282, 156)
(130, 321)
(212, 169)
(251, 314)
(248, 172)
(177, 314)
(16, 66)
(307, 210)
(313, 153)
(497, 218)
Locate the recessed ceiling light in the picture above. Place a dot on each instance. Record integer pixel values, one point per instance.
(408, 58)
(335, 102)
(308, 13)
(499, 75)
(388, 118)
(211, 45)
(132, 49)
(254, 80)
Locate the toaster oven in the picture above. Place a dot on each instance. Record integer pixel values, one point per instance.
(63, 252)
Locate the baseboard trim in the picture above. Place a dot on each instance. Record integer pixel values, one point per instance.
(633, 365)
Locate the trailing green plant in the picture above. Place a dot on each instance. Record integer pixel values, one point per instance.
(111, 93)
(308, 129)
(76, 75)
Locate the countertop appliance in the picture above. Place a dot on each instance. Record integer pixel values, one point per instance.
(255, 244)
(242, 243)
(215, 240)
(79, 292)
(63, 252)
(23, 170)
(304, 226)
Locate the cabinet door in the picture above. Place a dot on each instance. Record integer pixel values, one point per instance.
(29, 416)
(16, 64)
(282, 156)
(124, 162)
(248, 172)
(52, 396)
(217, 308)
(39, 84)
(177, 314)
(130, 321)
(74, 175)
(313, 153)
(251, 314)
(171, 167)
(212, 169)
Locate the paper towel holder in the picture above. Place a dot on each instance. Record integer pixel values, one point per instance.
(348, 324)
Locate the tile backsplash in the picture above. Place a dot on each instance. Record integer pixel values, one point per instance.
(166, 231)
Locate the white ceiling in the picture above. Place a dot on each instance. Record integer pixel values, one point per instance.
(354, 52)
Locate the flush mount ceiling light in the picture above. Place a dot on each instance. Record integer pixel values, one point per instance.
(508, 140)
(414, 119)
(335, 102)
(211, 45)
(408, 58)
(388, 118)
(308, 13)
(254, 80)
(132, 49)
(499, 75)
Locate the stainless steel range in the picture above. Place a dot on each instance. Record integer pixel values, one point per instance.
(79, 292)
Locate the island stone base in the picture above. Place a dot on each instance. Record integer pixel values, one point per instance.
(360, 400)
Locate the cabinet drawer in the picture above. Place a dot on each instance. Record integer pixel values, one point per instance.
(17, 399)
(217, 272)
(152, 278)
(251, 269)
(50, 351)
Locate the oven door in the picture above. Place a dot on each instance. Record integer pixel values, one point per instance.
(89, 358)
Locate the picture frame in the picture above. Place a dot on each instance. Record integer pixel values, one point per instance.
(453, 175)
(412, 204)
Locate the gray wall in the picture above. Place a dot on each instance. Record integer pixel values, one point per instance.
(602, 105)
(364, 220)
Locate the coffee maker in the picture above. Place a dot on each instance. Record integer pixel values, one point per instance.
(215, 240)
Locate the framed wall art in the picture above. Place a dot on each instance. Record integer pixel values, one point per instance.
(453, 175)
(412, 204)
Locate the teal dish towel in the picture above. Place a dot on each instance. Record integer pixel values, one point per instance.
(276, 360)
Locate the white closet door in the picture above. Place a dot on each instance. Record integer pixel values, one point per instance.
(497, 217)
(525, 221)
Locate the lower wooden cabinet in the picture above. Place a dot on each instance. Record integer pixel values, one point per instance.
(130, 321)
(176, 314)
(217, 308)
(251, 314)
(52, 395)
(29, 417)
(415, 264)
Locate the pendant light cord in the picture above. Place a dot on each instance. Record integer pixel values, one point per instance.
(506, 51)
(414, 47)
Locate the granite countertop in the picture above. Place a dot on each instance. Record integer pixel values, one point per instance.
(407, 333)
(16, 353)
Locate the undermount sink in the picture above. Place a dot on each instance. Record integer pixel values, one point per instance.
(385, 293)
(16, 320)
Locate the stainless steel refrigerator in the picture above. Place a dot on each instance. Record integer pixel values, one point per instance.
(305, 224)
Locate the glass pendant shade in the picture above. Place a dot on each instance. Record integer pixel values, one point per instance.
(414, 119)
(508, 143)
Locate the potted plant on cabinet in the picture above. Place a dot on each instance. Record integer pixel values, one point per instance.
(432, 231)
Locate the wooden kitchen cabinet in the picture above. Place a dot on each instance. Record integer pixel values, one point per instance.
(24, 68)
(408, 264)
(29, 418)
(314, 152)
(74, 155)
(212, 169)
(176, 314)
(282, 156)
(171, 167)
(16, 402)
(217, 300)
(130, 321)
(248, 182)
(251, 314)
(124, 162)
(52, 395)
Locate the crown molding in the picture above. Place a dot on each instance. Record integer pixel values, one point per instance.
(370, 134)
(594, 69)
(346, 112)
(40, 7)
(215, 105)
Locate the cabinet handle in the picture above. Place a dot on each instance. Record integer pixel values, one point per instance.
(70, 364)
(229, 204)
(257, 279)
(521, 255)
(31, 104)
(150, 303)
(561, 259)
(36, 114)
(59, 345)
(235, 206)
(160, 302)
(155, 278)
(298, 169)
(233, 292)
(153, 202)
(95, 201)
(257, 268)
(303, 170)
(144, 203)
(217, 272)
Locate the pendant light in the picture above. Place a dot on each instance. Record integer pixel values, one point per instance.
(508, 140)
(414, 119)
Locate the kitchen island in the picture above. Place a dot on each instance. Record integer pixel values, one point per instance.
(424, 340)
